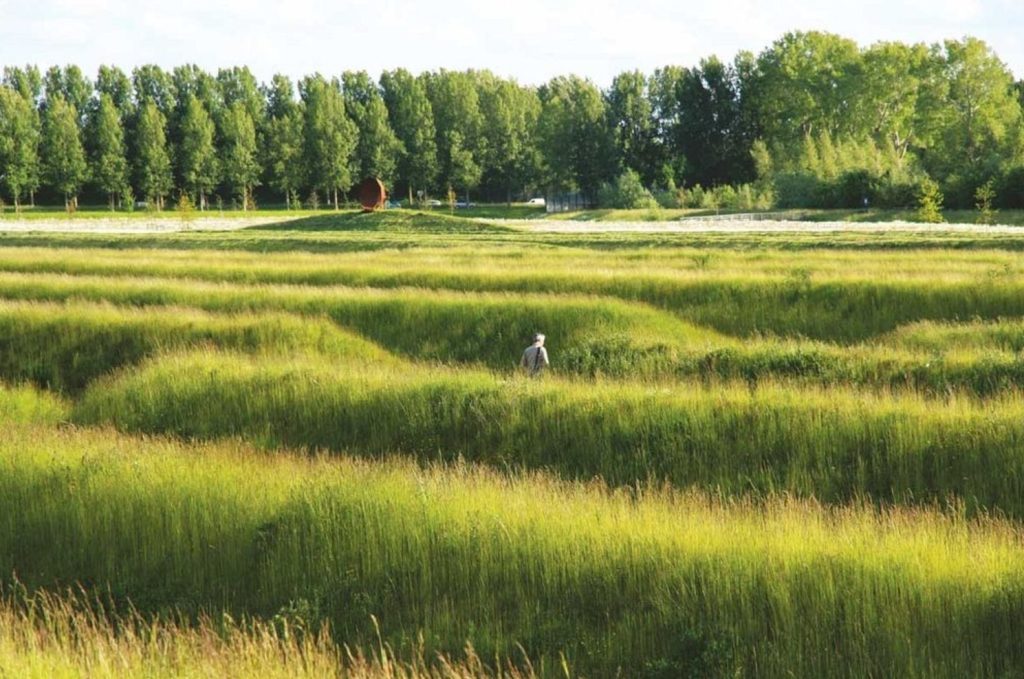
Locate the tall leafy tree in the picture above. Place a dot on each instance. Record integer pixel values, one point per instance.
(512, 160)
(631, 119)
(27, 81)
(240, 159)
(153, 85)
(981, 113)
(64, 164)
(113, 82)
(892, 95)
(663, 88)
(19, 143)
(459, 125)
(197, 155)
(109, 165)
(330, 136)
(72, 86)
(239, 86)
(574, 136)
(283, 141)
(412, 119)
(153, 163)
(710, 133)
(804, 85)
(377, 148)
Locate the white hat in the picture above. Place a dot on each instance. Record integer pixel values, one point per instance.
(538, 337)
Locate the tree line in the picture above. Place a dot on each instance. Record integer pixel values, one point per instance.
(814, 120)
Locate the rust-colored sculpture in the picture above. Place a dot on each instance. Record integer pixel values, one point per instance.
(372, 194)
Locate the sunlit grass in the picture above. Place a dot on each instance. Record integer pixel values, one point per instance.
(613, 580)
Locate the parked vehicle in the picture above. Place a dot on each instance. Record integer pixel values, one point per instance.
(536, 201)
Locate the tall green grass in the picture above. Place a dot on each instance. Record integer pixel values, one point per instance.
(72, 636)
(588, 336)
(437, 326)
(65, 346)
(835, 445)
(846, 298)
(651, 584)
(26, 404)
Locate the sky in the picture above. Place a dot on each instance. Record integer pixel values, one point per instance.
(529, 40)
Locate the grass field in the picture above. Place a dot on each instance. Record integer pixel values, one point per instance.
(753, 455)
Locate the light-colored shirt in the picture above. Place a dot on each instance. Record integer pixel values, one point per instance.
(534, 360)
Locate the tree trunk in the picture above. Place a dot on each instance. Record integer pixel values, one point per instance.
(110, 200)
(17, 205)
(67, 205)
(335, 199)
(410, 194)
(32, 198)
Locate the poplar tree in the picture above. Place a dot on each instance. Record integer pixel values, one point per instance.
(19, 142)
(377, 148)
(510, 119)
(197, 156)
(108, 163)
(459, 127)
(330, 137)
(284, 143)
(239, 159)
(64, 164)
(412, 119)
(153, 164)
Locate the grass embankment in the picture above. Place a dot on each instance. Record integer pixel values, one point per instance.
(65, 346)
(26, 404)
(658, 584)
(849, 298)
(835, 445)
(489, 329)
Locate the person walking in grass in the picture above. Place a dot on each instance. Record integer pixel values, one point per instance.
(535, 358)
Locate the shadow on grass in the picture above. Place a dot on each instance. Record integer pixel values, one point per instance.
(408, 221)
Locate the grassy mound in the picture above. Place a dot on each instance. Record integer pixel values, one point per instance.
(835, 445)
(66, 346)
(386, 220)
(654, 584)
(591, 335)
(27, 404)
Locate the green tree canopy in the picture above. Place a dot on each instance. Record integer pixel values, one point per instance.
(377, 148)
(412, 119)
(330, 136)
(109, 166)
(64, 164)
(197, 155)
(153, 163)
(19, 141)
